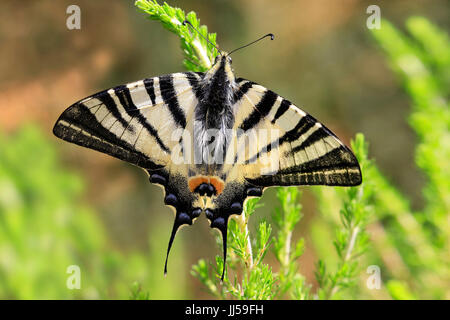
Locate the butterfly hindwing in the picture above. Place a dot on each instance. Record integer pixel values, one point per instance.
(230, 201)
(187, 205)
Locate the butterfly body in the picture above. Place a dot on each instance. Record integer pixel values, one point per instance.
(211, 140)
(214, 117)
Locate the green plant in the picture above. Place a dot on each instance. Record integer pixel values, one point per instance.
(198, 52)
(45, 228)
(35, 207)
(421, 61)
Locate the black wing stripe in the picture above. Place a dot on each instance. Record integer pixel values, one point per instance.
(106, 99)
(284, 106)
(193, 79)
(242, 90)
(261, 110)
(304, 124)
(264, 150)
(149, 86)
(347, 176)
(312, 139)
(124, 95)
(337, 158)
(170, 99)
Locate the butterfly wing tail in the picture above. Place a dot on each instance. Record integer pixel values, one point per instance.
(177, 195)
(229, 202)
(221, 223)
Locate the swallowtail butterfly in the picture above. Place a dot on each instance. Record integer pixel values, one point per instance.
(211, 140)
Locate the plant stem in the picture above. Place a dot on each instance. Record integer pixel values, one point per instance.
(355, 231)
(243, 225)
(351, 245)
(287, 249)
(201, 53)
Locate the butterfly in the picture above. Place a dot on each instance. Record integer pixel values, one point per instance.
(210, 139)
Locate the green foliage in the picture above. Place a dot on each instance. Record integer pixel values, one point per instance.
(422, 62)
(399, 291)
(137, 293)
(198, 52)
(44, 229)
(351, 238)
(250, 278)
(35, 197)
(285, 219)
(411, 248)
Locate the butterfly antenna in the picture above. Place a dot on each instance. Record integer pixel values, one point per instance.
(267, 35)
(206, 38)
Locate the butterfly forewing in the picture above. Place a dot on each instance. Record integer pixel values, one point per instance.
(132, 122)
(305, 151)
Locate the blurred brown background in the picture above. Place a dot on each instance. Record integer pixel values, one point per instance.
(323, 59)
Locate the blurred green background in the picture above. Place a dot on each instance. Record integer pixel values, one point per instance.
(63, 205)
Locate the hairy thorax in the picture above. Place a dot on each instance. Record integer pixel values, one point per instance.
(214, 117)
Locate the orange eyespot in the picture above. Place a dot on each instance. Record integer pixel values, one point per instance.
(218, 184)
(194, 182)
